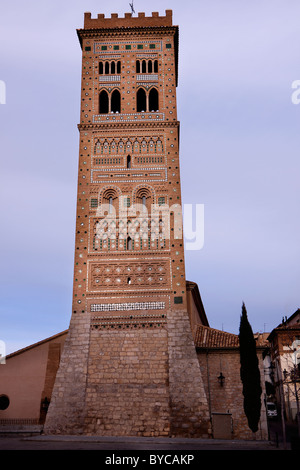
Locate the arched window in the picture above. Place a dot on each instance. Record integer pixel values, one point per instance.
(138, 67)
(116, 101)
(144, 67)
(155, 66)
(103, 102)
(144, 200)
(113, 68)
(4, 402)
(110, 200)
(153, 100)
(110, 203)
(150, 66)
(161, 225)
(119, 66)
(128, 161)
(101, 68)
(106, 68)
(141, 102)
(129, 246)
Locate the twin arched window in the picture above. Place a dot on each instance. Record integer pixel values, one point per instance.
(147, 101)
(109, 102)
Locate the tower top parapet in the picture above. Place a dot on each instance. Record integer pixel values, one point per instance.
(128, 21)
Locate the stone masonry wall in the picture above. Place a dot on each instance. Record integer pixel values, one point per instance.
(229, 397)
(188, 401)
(139, 381)
(66, 410)
(127, 386)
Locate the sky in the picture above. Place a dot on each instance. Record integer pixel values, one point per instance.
(239, 157)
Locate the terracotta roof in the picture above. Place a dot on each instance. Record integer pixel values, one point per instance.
(206, 337)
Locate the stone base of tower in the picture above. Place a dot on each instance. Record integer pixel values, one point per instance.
(189, 412)
(66, 412)
(139, 381)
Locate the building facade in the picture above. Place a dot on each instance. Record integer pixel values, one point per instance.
(129, 365)
(285, 348)
(219, 358)
(28, 375)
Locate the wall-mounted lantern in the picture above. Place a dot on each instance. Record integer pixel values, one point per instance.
(221, 379)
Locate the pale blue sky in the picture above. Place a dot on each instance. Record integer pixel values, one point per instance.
(240, 135)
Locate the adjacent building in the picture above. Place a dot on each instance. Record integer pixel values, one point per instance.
(285, 354)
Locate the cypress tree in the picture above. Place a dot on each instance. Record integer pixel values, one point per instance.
(249, 371)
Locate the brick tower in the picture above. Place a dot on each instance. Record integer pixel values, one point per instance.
(129, 365)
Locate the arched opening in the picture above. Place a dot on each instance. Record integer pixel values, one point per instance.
(106, 68)
(129, 246)
(143, 201)
(100, 68)
(144, 67)
(128, 161)
(116, 101)
(160, 225)
(103, 102)
(141, 101)
(113, 68)
(150, 66)
(119, 66)
(155, 66)
(4, 402)
(110, 202)
(153, 100)
(138, 67)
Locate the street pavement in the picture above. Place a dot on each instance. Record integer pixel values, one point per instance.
(41, 442)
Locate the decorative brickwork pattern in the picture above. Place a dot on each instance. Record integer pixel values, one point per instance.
(129, 365)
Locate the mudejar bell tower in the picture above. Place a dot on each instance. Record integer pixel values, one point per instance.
(129, 365)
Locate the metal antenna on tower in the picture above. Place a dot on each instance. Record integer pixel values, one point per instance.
(132, 8)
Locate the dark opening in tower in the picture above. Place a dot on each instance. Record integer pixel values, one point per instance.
(116, 101)
(153, 100)
(103, 102)
(141, 101)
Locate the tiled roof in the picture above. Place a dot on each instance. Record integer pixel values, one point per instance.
(206, 337)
